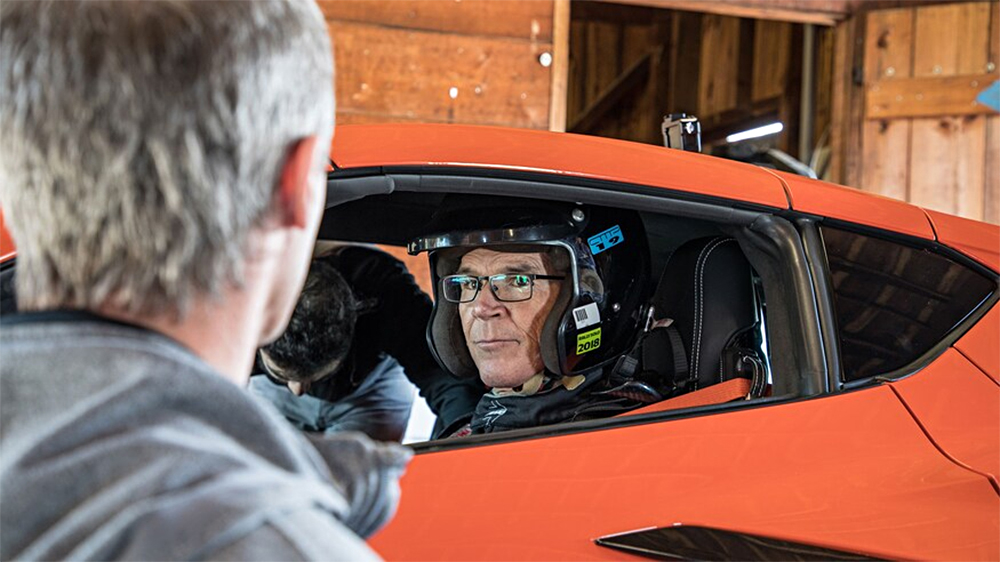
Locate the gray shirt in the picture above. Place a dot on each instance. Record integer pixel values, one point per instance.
(117, 443)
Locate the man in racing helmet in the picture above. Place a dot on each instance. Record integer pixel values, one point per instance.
(538, 300)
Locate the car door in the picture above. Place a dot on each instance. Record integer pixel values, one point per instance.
(851, 469)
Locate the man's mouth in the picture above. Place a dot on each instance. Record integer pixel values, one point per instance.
(494, 344)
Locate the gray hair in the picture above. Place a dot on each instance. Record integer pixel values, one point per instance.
(140, 142)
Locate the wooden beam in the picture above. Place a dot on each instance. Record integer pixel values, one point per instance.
(627, 81)
(820, 12)
(560, 65)
(529, 21)
(928, 96)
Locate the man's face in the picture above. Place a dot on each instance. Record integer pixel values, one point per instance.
(503, 336)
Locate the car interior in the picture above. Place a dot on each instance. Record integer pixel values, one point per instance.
(729, 280)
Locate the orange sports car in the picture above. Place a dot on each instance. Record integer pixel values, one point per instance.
(839, 357)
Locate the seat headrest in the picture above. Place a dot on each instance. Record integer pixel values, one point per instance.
(707, 289)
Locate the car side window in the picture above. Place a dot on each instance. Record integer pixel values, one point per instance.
(893, 302)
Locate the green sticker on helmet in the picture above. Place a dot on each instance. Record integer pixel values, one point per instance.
(588, 341)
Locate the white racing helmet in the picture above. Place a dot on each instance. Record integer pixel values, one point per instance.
(592, 323)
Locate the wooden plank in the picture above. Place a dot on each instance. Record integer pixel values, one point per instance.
(824, 85)
(847, 105)
(560, 66)
(790, 106)
(625, 85)
(886, 144)
(991, 195)
(684, 63)
(601, 59)
(952, 39)
(889, 45)
(948, 159)
(410, 75)
(576, 97)
(717, 85)
(886, 158)
(530, 20)
(928, 96)
(948, 165)
(772, 45)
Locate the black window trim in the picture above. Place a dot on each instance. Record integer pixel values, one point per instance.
(837, 381)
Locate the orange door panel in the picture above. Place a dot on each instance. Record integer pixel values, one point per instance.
(959, 406)
(852, 472)
(978, 240)
(981, 344)
(6, 242)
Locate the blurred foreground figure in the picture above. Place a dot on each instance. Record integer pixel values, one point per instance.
(162, 172)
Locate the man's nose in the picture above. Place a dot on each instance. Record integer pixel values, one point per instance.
(486, 304)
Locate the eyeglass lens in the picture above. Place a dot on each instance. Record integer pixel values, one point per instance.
(507, 287)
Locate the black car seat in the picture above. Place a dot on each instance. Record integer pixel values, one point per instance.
(705, 313)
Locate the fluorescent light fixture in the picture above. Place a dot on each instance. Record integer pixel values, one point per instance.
(771, 129)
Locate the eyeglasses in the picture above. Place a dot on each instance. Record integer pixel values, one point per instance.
(506, 287)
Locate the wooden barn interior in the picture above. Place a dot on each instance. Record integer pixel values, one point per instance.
(877, 95)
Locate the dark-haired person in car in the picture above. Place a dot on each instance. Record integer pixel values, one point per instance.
(537, 301)
(355, 338)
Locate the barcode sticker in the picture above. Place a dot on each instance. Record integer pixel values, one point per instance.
(586, 315)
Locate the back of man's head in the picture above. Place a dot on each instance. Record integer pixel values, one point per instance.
(320, 333)
(142, 141)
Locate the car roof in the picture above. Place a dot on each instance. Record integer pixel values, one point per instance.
(447, 146)
(563, 154)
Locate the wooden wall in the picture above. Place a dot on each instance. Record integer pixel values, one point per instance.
(444, 61)
(399, 60)
(631, 65)
(906, 81)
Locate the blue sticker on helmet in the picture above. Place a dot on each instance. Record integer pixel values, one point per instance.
(607, 239)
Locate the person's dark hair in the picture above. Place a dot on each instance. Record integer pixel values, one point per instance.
(321, 329)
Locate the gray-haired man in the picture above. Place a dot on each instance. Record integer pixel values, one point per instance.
(161, 170)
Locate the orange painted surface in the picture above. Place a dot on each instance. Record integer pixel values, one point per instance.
(959, 406)
(981, 344)
(854, 205)
(853, 471)
(6, 242)
(978, 240)
(553, 153)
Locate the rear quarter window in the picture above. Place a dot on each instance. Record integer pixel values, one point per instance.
(894, 302)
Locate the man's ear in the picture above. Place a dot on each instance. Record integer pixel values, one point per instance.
(293, 197)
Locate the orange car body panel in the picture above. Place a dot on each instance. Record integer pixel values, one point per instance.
(981, 344)
(970, 432)
(978, 240)
(853, 471)
(563, 154)
(853, 205)
(6, 242)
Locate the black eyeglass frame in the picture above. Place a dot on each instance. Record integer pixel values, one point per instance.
(491, 278)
